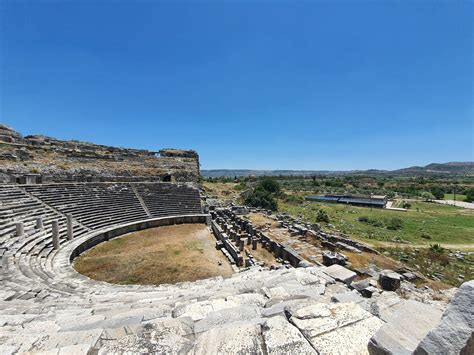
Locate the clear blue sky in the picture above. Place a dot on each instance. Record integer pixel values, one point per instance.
(261, 85)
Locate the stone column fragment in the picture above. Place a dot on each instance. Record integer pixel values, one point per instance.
(70, 228)
(55, 233)
(20, 230)
(39, 223)
(254, 243)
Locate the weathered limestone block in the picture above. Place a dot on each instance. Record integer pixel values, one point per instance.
(199, 310)
(63, 339)
(350, 339)
(389, 280)
(385, 305)
(406, 328)
(336, 328)
(304, 264)
(331, 258)
(279, 307)
(328, 245)
(217, 319)
(162, 336)
(275, 292)
(281, 337)
(348, 296)
(348, 247)
(237, 339)
(248, 298)
(455, 333)
(366, 287)
(340, 273)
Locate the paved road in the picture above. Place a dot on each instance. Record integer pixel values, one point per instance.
(456, 203)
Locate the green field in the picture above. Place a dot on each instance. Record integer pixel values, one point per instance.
(423, 224)
(459, 197)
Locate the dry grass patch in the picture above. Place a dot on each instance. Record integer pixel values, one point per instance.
(262, 255)
(222, 191)
(363, 259)
(260, 220)
(155, 256)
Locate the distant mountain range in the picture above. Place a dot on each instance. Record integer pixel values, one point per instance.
(451, 168)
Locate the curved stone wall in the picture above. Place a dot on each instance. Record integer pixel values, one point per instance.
(63, 259)
(92, 239)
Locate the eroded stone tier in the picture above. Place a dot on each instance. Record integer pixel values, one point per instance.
(51, 159)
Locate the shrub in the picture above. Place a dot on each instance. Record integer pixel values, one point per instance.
(371, 221)
(322, 216)
(425, 236)
(293, 199)
(437, 249)
(240, 187)
(469, 195)
(427, 196)
(394, 223)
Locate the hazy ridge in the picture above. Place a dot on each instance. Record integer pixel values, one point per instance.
(451, 168)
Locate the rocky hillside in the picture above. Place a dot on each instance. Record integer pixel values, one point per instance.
(460, 168)
(58, 160)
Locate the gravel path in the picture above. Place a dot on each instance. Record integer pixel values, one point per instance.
(462, 204)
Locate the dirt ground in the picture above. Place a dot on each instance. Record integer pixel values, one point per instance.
(155, 256)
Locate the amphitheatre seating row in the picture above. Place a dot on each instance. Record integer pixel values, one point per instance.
(94, 205)
(167, 199)
(26, 262)
(17, 206)
(22, 259)
(101, 205)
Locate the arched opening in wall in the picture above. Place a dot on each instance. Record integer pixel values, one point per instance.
(167, 178)
(168, 254)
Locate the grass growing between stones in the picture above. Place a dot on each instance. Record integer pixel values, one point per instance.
(436, 263)
(155, 256)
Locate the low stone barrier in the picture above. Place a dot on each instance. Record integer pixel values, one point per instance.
(233, 251)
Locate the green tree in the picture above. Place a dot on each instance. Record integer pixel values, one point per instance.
(270, 185)
(264, 194)
(437, 192)
(427, 196)
(262, 199)
(469, 195)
